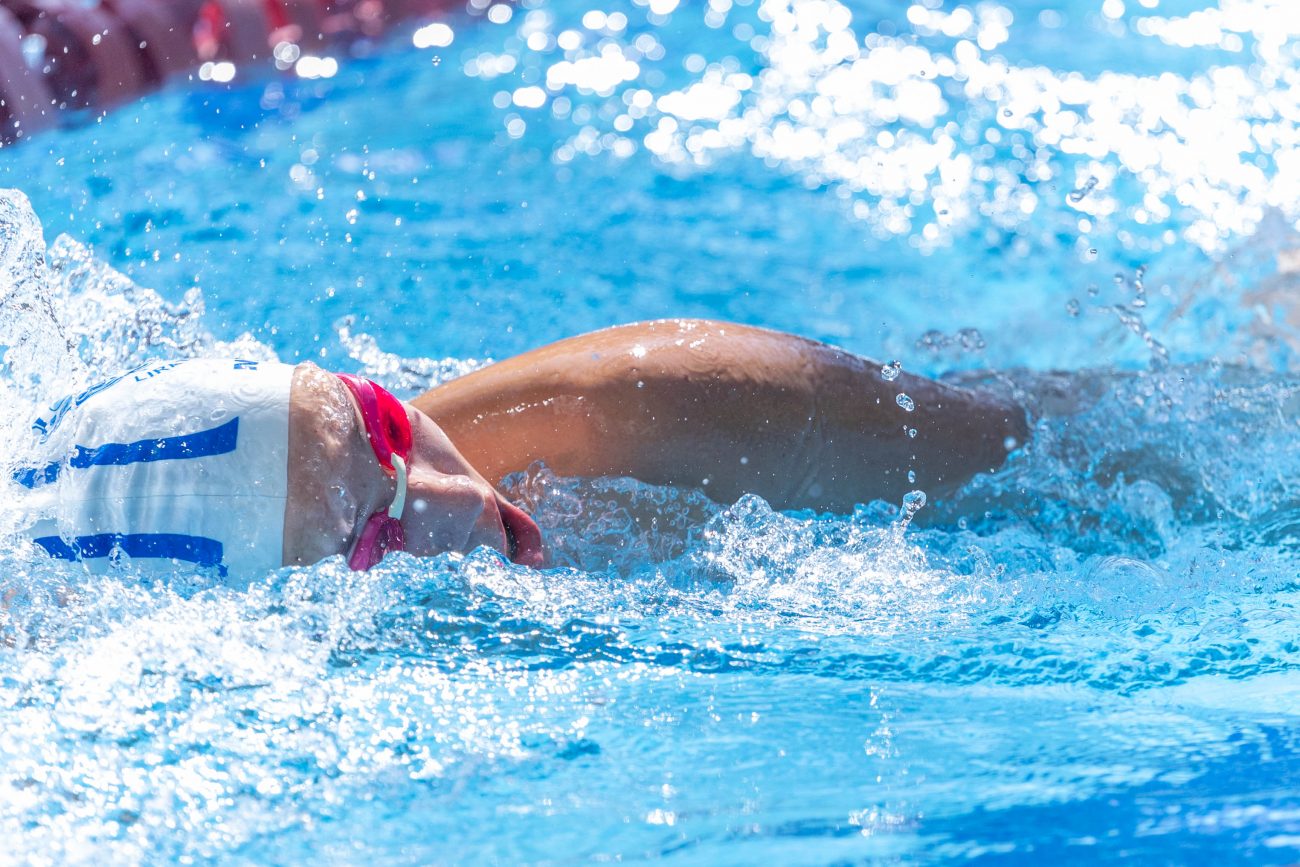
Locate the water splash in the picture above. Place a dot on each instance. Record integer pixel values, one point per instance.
(913, 502)
(32, 333)
(610, 524)
(67, 318)
(405, 377)
(1137, 557)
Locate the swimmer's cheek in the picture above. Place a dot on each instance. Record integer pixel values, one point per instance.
(320, 526)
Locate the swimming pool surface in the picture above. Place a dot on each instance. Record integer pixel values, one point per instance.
(1092, 655)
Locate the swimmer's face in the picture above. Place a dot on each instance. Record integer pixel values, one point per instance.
(449, 506)
(336, 484)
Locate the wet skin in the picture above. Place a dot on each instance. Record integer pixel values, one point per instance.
(728, 408)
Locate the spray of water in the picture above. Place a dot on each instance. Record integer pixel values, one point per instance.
(1146, 536)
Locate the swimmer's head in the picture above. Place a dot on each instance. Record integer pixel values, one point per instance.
(339, 487)
(244, 466)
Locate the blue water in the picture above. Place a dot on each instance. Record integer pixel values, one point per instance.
(1089, 655)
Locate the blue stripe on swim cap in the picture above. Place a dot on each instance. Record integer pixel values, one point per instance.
(199, 550)
(214, 441)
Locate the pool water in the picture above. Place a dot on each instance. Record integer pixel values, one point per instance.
(1089, 655)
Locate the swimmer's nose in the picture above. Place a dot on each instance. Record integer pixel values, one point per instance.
(451, 513)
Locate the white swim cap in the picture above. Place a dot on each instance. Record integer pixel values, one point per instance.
(173, 461)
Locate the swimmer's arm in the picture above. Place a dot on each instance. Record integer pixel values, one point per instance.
(729, 408)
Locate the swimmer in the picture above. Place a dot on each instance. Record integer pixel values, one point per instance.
(247, 466)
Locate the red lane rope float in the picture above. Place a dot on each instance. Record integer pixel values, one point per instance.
(26, 104)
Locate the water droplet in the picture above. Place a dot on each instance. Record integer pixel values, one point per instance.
(911, 477)
(1078, 195)
(933, 340)
(913, 502)
(1073, 307)
(911, 432)
(889, 372)
(971, 339)
(905, 402)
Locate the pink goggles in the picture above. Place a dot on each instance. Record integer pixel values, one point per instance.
(389, 430)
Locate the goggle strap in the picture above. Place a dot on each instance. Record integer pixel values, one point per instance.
(372, 414)
(399, 499)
